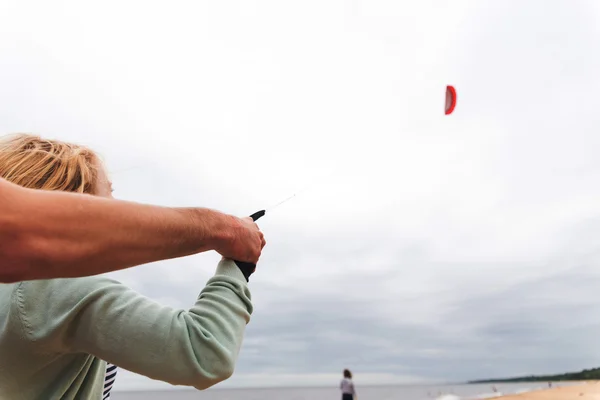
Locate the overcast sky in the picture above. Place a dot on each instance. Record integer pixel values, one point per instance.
(426, 247)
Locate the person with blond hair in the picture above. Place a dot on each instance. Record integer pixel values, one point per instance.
(57, 234)
(65, 337)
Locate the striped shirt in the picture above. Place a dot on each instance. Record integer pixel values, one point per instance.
(109, 380)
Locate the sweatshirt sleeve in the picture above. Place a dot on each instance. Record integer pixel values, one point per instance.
(198, 347)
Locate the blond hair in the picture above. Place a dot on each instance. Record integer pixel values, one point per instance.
(36, 163)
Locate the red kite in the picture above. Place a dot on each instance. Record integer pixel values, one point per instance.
(450, 99)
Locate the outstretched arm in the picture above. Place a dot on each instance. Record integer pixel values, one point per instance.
(197, 347)
(46, 234)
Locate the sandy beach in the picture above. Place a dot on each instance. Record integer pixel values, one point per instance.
(590, 390)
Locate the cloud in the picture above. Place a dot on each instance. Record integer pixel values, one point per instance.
(424, 247)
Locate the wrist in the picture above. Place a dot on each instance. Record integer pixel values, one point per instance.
(216, 229)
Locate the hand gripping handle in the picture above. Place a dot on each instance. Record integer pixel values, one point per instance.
(246, 267)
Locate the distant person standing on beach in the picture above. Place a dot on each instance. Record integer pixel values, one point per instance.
(347, 386)
(65, 338)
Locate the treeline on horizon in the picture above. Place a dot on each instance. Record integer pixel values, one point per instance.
(585, 375)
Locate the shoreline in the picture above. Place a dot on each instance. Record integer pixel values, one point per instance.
(589, 390)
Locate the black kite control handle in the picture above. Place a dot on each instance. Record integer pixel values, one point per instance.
(246, 267)
(257, 215)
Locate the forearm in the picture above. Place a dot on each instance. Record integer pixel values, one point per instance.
(52, 234)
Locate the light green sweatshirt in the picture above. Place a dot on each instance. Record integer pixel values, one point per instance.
(56, 335)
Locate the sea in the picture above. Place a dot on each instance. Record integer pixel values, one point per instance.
(404, 392)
